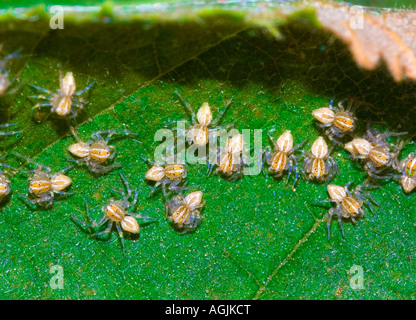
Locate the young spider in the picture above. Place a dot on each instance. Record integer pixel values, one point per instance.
(5, 188)
(166, 175)
(5, 81)
(184, 212)
(348, 205)
(338, 121)
(407, 168)
(96, 153)
(282, 158)
(359, 148)
(43, 185)
(116, 212)
(66, 101)
(318, 165)
(230, 162)
(374, 151)
(202, 129)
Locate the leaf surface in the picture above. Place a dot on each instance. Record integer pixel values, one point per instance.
(259, 238)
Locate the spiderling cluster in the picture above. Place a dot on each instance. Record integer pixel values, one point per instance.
(375, 151)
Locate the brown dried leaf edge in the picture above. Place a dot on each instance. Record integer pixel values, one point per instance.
(371, 36)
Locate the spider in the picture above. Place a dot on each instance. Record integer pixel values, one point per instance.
(5, 188)
(230, 162)
(43, 185)
(66, 101)
(166, 175)
(374, 151)
(359, 148)
(318, 164)
(338, 121)
(348, 205)
(116, 212)
(96, 153)
(282, 158)
(407, 168)
(202, 129)
(184, 212)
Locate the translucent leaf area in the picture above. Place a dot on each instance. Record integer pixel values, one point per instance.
(259, 239)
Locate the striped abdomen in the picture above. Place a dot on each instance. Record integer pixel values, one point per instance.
(40, 186)
(114, 212)
(99, 152)
(227, 163)
(379, 156)
(318, 169)
(344, 121)
(62, 105)
(181, 215)
(350, 206)
(175, 171)
(279, 161)
(411, 167)
(199, 134)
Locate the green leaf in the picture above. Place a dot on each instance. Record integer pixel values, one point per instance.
(259, 238)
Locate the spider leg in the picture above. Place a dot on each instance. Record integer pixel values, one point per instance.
(13, 55)
(106, 231)
(98, 224)
(88, 87)
(41, 105)
(332, 169)
(340, 224)
(49, 198)
(294, 163)
(272, 140)
(97, 136)
(29, 202)
(328, 224)
(126, 184)
(210, 168)
(348, 184)
(137, 216)
(29, 160)
(120, 233)
(84, 224)
(64, 193)
(157, 184)
(136, 194)
(299, 145)
(331, 134)
(99, 169)
(222, 112)
(6, 125)
(187, 105)
(49, 92)
(8, 133)
(149, 161)
(340, 106)
(330, 105)
(328, 200)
